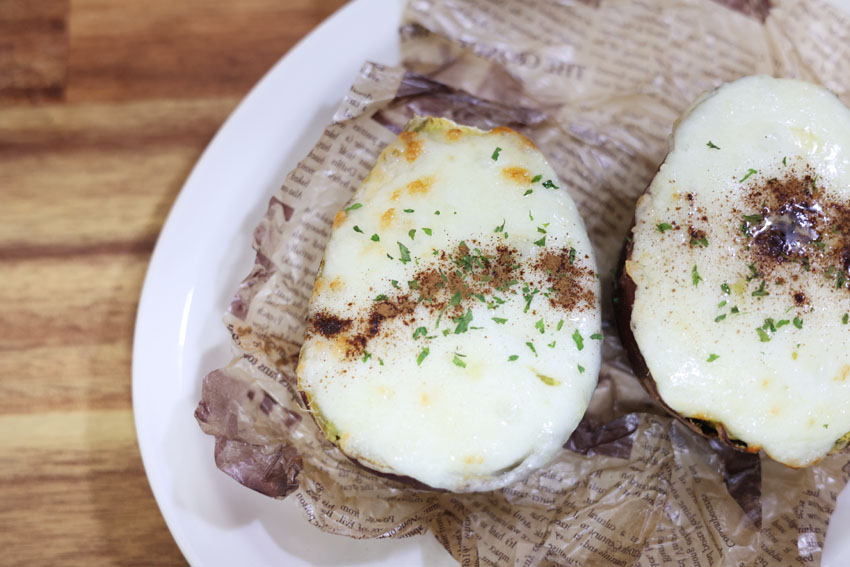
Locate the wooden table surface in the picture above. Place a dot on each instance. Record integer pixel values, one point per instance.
(104, 108)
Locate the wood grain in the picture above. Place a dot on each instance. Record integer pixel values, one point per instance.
(104, 108)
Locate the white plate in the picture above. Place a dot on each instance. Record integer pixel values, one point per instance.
(201, 256)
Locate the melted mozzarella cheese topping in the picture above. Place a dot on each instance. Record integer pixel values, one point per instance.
(449, 334)
(740, 255)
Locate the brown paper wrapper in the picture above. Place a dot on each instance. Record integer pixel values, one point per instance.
(597, 86)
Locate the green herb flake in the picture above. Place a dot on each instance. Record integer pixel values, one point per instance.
(712, 145)
(760, 292)
(501, 227)
(541, 242)
(513, 357)
(549, 184)
(782, 322)
(798, 322)
(499, 320)
(437, 213)
(820, 244)
(712, 357)
(412, 233)
(455, 299)
(495, 155)
(529, 216)
(541, 230)
(784, 162)
(754, 218)
(560, 325)
(845, 318)
(719, 318)
(413, 284)
(552, 344)
(458, 362)
(381, 361)
(572, 258)
(528, 192)
(462, 322)
(763, 336)
(408, 210)
(735, 310)
(540, 326)
(357, 229)
(664, 227)
(380, 297)
(597, 336)
(405, 253)
(353, 207)
(537, 178)
(703, 241)
(580, 369)
(721, 304)
(375, 238)
(395, 284)
(427, 231)
(579, 340)
(724, 287)
(531, 346)
(422, 355)
(750, 172)
(366, 355)
(695, 277)
(768, 325)
(419, 332)
(826, 426)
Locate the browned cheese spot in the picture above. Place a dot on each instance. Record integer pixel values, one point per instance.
(454, 134)
(518, 175)
(339, 219)
(412, 145)
(336, 284)
(387, 218)
(499, 130)
(420, 186)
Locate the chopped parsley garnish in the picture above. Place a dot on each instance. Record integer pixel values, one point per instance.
(381, 297)
(458, 362)
(495, 155)
(541, 230)
(572, 255)
(540, 326)
(529, 216)
(597, 336)
(826, 426)
(754, 218)
(375, 238)
(783, 161)
(580, 369)
(357, 229)
(782, 322)
(381, 361)
(721, 304)
(695, 277)
(499, 320)
(798, 322)
(712, 357)
(437, 213)
(548, 184)
(427, 231)
(712, 146)
(413, 284)
(664, 226)
(760, 292)
(750, 171)
(768, 325)
(579, 340)
(845, 318)
(552, 344)
(763, 336)
(405, 253)
(724, 287)
(366, 355)
(549, 381)
(734, 310)
(501, 227)
(422, 355)
(531, 346)
(560, 324)
(463, 322)
(455, 299)
(408, 210)
(419, 332)
(528, 192)
(537, 178)
(352, 207)
(541, 242)
(719, 318)
(412, 233)
(395, 284)
(528, 294)
(513, 357)
(820, 244)
(703, 241)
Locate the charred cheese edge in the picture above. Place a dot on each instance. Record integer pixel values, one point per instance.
(453, 332)
(741, 264)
